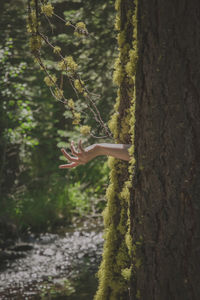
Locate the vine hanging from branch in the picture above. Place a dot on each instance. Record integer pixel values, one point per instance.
(67, 68)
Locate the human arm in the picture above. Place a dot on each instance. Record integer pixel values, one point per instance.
(85, 155)
(116, 150)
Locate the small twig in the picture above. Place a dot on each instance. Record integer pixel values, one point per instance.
(45, 69)
(85, 33)
(48, 21)
(36, 12)
(75, 91)
(61, 81)
(64, 20)
(97, 114)
(98, 137)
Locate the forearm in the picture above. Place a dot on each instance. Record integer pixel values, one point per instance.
(119, 151)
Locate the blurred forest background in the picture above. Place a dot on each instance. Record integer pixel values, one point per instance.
(34, 194)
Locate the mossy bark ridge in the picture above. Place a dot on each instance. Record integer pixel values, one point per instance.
(116, 267)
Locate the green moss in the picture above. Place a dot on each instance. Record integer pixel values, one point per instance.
(117, 23)
(121, 38)
(138, 295)
(125, 194)
(118, 5)
(126, 273)
(138, 263)
(128, 240)
(119, 254)
(118, 74)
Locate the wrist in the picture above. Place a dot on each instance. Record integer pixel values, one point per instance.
(100, 149)
(97, 149)
(93, 150)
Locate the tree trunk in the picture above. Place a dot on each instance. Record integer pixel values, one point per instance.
(166, 195)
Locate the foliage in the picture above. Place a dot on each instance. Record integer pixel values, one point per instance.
(61, 288)
(17, 119)
(35, 194)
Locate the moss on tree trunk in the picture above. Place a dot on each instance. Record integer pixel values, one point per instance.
(116, 267)
(152, 237)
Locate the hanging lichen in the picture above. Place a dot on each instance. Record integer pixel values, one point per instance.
(66, 68)
(117, 261)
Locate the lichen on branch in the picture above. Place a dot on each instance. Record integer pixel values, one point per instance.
(67, 67)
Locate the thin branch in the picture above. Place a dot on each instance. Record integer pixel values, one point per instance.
(91, 104)
(64, 20)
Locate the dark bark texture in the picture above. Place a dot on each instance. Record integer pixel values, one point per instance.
(166, 195)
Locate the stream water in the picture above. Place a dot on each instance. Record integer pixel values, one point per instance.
(51, 266)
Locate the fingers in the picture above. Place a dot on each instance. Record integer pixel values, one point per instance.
(75, 161)
(69, 157)
(73, 150)
(80, 146)
(68, 166)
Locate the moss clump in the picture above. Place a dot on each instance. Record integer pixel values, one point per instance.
(35, 42)
(78, 84)
(57, 49)
(68, 64)
(80, 29)
(85, 130)
(47, 10)
(58, 93)
(50, 80)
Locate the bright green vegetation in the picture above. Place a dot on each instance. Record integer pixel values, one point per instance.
(34, 193)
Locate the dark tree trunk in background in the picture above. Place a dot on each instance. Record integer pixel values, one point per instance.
(166, 196)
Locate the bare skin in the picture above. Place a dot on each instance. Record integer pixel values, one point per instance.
(82, 156)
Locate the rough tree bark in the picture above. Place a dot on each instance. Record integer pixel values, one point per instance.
(166, 194)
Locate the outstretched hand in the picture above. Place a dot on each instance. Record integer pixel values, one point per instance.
(80, 157)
